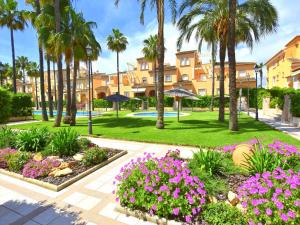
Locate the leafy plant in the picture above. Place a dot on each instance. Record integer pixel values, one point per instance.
(4, 153)
(33, 140)
(5, 105)
(35, 169)
(16, 161)
(65, 143)
(94, 156)
(84, 143)
(7, 137)
(222, 214)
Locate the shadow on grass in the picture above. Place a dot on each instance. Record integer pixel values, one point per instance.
(15, 212)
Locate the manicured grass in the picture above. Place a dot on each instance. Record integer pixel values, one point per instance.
(200, 128)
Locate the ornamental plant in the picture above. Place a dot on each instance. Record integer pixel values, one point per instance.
(94, 156)
(35, 169)
(16, 161)
(4, 153)
(272, 197)
(161, 186)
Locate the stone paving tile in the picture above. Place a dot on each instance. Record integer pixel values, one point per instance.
(74, 198)
(109, 211)
(30, 222)
(128, 219)
(9, 217)
(47, 216)
(88, 203)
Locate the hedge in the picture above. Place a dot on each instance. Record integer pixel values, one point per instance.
(295, 104)
(21, 105)
(5, 105)
(101, 103)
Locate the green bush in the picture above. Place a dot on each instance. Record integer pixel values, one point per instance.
(295, 104)
(7, 138)
(101, 103)
(5, 105)
(21, 105)
(16, 162)
(84, 143)
(94, 156)
(65, 143)
(222, 214)
(131, 105)
(33, 140)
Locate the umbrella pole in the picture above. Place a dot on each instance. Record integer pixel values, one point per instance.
(117, 109)
(178, 109)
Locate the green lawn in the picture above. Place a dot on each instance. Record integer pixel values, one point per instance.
(200, 128)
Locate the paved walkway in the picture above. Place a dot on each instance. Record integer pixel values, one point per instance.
(89, 201)
(277, 124)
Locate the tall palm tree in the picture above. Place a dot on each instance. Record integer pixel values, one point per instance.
(150, 54)
(13, 19)
(33, 71)
(5, 73)
(159, 5)
(22, 63)
(50, 98)
(117, 42)
(254, 19)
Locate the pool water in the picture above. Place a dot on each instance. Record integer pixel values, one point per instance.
(154, 114)
(79, 113)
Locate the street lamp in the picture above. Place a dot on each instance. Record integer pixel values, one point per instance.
(89, 54)
(1, 71)
(257, 70)
(248, 93)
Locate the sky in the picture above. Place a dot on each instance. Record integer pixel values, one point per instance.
(126, 18)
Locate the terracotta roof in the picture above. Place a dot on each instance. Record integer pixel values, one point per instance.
(276, 55)
(291, 41)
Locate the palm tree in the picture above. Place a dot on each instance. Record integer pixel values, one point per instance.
(160, 9)
(117, 42)
(254, 19)
(21, 63)
(5, 72)
(33, 71)
(50, 100)
(13, 19)
(150, 54)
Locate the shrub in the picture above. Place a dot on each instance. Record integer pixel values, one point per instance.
(33, 140)
(35, 169)
(131, 105)
(65, 143)
(94, 156)
(4, 154)
(272, 197)
(16, 161)
(7, 137)
(5, 105)
(161, 186)
(21, 105)
(101, 103)
(85, 143)
(222, 214)
(295, 106)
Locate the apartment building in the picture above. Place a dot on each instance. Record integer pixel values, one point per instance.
(283, 69)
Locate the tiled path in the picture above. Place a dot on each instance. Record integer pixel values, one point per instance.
(89, 201)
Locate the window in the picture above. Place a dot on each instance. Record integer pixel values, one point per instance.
(242, 74)
(185, 77)
(218, 91)
(126, 93)
(168, 78)
(144, 80)
(144, 66)
(203, 77)
(202, 92)
(184, 62)
(273, 80)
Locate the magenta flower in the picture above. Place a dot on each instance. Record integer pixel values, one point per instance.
(284, 217)
(132, 199)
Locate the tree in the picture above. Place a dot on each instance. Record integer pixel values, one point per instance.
(50, 97)
(5, 72)
(117, 42)
(33, 71)
(22, 63)
(160, 9)
(13, 19)
(254, 19)
(150, 54)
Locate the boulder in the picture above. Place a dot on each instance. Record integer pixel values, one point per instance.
(78, 157)
(64, 172)
(232, 198)
(72, 164)
(64, 165)
(38, 157)
(240, 154)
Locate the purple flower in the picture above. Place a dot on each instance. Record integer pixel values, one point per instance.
(188, 219)
(284, 217)
(132, 199)
(291, 214)
(176, 211)
(269, 212)
(256, 211)
(160, 199)
(132, 190)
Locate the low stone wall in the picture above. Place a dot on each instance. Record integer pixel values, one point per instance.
(20, 118)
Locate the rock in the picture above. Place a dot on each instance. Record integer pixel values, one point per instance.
(240, 208)
(63, 165)
(38, 157)
(64, 172)
(212, 199)
(241, 153)
(53, 172)
(232, 198)
(72, 164)
(78, 157)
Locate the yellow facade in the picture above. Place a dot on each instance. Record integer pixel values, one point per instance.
(282, 68)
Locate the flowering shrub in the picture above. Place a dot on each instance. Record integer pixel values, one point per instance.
(272, 198)
(231, 148)
(35, 169)
(4, 153)
(161, 186)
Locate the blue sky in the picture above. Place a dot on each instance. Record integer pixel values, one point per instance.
(126, 18)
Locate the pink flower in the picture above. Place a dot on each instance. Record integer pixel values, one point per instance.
(132, 199)
(269, 212)
(176, 211)
(188, 219)
(284, 217)
(291, 214)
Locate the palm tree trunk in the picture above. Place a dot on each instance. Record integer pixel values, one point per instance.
(59, 68)
(261, 78)
(13, 60)
(50, 100)
(74, 100)
(222, 78)
(42, 82)
(68, 110)
(118, 74)
(161, 57)
(92, 81)
(213, 76)
(36, 94)
(54, 80)
(233, 121)
(155, 80)
(24, 89)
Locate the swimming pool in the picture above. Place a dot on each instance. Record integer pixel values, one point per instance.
(79, 113)
(154, 114)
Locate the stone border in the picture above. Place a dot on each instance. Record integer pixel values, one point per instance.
(67, 183)
(134, 114)
(145, 216)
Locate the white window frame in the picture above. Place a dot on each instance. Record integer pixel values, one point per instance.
(168, 78)
(200, 92)
(184, 61)
(144, 66)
